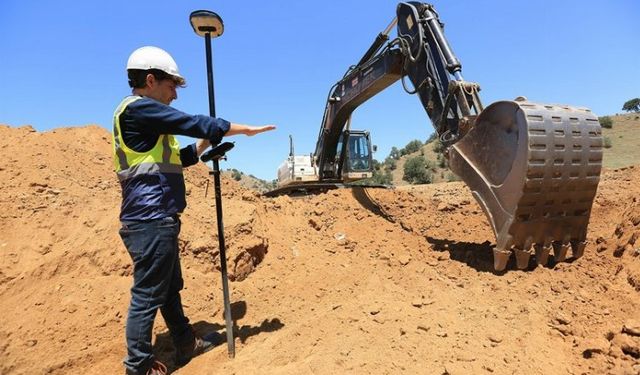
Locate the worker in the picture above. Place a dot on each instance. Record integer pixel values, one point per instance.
(149, 162)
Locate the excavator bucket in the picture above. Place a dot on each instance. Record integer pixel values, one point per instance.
(534, 169)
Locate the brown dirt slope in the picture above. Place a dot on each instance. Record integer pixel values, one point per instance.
(352, 281)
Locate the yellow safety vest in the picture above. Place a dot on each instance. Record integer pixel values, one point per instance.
(164, 157)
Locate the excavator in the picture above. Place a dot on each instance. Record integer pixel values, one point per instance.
(533, 168)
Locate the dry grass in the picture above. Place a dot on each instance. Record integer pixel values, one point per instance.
(625, 150)
(625, 141)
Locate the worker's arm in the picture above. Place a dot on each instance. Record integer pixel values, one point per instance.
(234, 129)
(149, 116)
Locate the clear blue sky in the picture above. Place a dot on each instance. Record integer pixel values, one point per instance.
(63, 62)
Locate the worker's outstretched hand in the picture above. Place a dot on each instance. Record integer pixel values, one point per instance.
(253, 130)
(247, 129)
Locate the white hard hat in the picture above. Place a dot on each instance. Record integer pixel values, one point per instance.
(149, 57)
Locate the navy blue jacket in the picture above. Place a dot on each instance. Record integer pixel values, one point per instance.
(141, 124)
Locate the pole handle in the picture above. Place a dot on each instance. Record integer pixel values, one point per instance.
(217, 152)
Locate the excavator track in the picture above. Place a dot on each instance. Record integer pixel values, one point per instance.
(534, 169)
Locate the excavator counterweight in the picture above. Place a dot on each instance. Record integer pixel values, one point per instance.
(533, 168)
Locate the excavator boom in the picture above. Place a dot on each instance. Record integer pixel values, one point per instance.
(533, 168)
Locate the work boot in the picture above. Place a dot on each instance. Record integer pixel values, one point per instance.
(157, 368)
(195, 347)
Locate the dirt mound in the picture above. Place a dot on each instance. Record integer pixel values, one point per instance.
(351, 281)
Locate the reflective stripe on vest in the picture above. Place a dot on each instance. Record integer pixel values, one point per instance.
(164, 157)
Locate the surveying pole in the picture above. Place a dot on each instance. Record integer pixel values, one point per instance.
(209, 25)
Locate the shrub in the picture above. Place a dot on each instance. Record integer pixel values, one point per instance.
(390, 163)
(430, 165)
(438, 147)
(236, 174)
(607, 142)
(383, 178)
(606, 122)
(411, 147)
(416, 172)
(442, 161)
(452, 177)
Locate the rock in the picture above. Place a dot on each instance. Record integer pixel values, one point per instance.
(495, 338)
(627, 344)
(465, 357)
(314, 224)
(404, 259)
(595, 346)
(340, 238)
(631, 327)
(443, 257)
(423, 328)
(441, 334)
(562, 318)
(443, 206)
(31, 342)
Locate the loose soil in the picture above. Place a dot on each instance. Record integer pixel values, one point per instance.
(351, 281)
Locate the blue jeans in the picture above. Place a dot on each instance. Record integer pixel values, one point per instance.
(157, 281)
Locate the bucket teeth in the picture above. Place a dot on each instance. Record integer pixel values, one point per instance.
(560, 251)
(500, 259)
(542, 254)
(522, 258)
(577, 248)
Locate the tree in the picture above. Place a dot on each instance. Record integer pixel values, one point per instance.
(394, 154)
(632, 105)
(416, 172)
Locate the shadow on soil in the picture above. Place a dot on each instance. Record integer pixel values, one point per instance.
(478, 256)
(164, 350)
(362, 196)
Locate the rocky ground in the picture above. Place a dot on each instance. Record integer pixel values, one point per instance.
(351, 281)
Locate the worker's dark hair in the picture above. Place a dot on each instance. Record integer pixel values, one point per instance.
(138, 77)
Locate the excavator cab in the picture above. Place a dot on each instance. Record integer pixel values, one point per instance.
(358, 156)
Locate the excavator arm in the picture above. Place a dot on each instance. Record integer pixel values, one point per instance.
(533, 168)
(420, 53)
